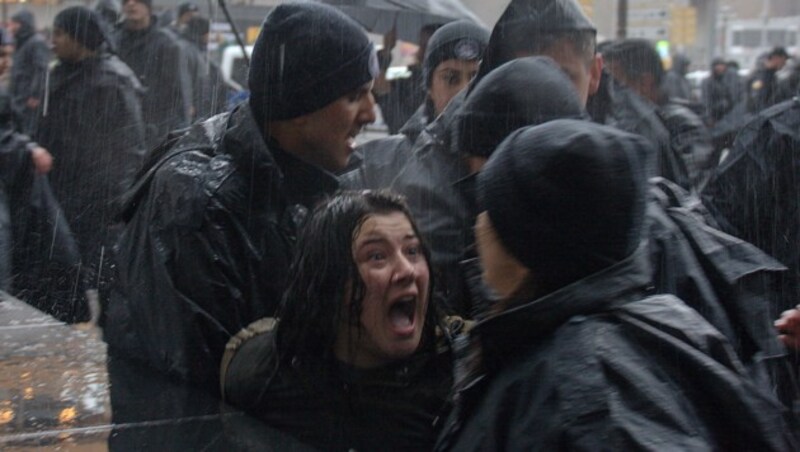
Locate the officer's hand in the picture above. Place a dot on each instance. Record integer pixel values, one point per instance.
(42, 160)
(32, 103)
(789, 328)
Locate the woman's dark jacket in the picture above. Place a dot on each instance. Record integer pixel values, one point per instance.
(210, 227)
(596, 365)
(333, 406)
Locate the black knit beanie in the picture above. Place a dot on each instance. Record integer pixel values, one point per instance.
(459, 40)
(524, 92)
(566, 198)
(83, 25)
(527, 20)
(307, 56)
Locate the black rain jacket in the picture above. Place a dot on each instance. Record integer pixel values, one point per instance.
(159, 61)
(93, 128)
(598, 365)
(28, 75)
(210, 227)
(755, 193)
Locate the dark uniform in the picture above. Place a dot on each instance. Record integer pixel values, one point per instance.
(160, 63)
(28, 71)
(755, 193)
(762, 90)
(206, 248)
(97, 159)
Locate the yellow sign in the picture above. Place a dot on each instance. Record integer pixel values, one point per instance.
(588, 8)
(683, 26)
(252, 34)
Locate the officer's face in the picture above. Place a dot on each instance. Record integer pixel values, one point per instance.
(395, 273)
(327, 136)
(584, 74)
(450, 77)
(64, 47)
(503, 273)
(135, 10)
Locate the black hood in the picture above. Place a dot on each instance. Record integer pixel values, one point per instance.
(27, 25)
(524, 92)
(528, 18)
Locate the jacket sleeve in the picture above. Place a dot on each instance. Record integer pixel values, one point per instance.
(186, 272)
(40, 60)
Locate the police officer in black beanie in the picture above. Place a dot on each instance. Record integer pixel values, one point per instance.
(212, 220)
(573, 353)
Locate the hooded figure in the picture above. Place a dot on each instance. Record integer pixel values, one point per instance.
(210, 94)
(212, 219)
(675, 84)
(160, 63)
(573, 354)
(28, 70)
(97, 159)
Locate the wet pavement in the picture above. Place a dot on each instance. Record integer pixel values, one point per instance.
(60, 389)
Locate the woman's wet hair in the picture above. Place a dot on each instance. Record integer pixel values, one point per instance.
(324, 272)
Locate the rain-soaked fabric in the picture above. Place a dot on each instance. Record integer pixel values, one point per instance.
(158, 60)
(755, 193)
(93, 127)
(596, 364)
(28, 72)
(387, 408)
(632, 113)
(210, 225)
(728, 281)
(690, 141)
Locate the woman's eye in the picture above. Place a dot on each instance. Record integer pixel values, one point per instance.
(413, 251)
(376, 256)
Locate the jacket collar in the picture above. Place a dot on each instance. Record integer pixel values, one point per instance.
(520, 326)
(302, 183)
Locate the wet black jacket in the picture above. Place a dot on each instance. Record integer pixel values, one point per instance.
(210, 228)
(596, 365)
(632, 113)
(28, 75)
(157, 58)
(690, 141)
(755, 193)
(763, 90)
(93, 128)
(388, 408)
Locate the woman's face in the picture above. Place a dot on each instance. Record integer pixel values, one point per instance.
(450, 77)
(389, 258)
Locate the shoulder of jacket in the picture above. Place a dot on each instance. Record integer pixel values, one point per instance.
(258, 328)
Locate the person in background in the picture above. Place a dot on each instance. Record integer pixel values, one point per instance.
(573, 353)
(400, 98)
(675, 85)
(359, 358)
(186, 12)
(210, 94)
(762, 87)
(212, 220)
(28, 70)
(158, 60)
(451, 61)
(96, 159)
(636, 65)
